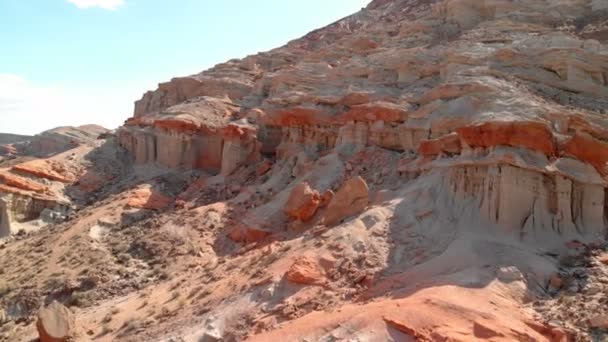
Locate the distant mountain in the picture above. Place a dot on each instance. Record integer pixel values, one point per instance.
(8, 138)
(51, 142)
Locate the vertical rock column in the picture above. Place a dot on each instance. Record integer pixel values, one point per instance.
(240, 146)
(5, 226)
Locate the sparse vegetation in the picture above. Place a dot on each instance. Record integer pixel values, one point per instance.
(105, 329)
(107, 318)
(130, 325)
(79, 299)
(5, 288)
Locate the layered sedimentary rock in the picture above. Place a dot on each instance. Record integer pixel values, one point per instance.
(197, 134)
(500, 94)
(25, 192)
(51, 142)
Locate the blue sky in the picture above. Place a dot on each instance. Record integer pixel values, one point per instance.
(72, 62)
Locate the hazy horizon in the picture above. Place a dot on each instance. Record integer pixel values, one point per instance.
(76, 62)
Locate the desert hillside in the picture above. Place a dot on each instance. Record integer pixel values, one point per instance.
(422, 170)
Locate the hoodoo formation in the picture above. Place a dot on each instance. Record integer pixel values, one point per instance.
(428, 170)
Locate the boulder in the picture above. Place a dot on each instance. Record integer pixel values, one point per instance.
(46, 168)
(351, 199)
(55, 323)
(22, 183)
(305, 270)
(303, 202)
(245, 234)
(147, 198)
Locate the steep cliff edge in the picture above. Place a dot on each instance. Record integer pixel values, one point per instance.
(458, 85)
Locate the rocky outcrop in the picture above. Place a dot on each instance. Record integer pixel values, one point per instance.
(477, 127)
(55, 323)
(386, 78)
(53, 141)
(531, 135)
(192, 135)
(46, 169)
(149, 198)
(23, 199)
(305, 270)
(352, 198)
(303, 202)
(28, 189)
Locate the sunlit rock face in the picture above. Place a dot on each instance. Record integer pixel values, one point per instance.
(501, 95)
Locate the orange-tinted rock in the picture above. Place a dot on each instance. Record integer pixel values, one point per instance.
(588, 149)
(55, 323)
(326, 198)
(22, 183)
(528, 134)
(147, 198)
(449, 143)
(554, 334)
(245, 234)
(48, 169)
(351, 199)
(296, 116)
(177, 125)
(408, 329)
(303, 202)
(12, 190)
(375, 111)
(306, 271)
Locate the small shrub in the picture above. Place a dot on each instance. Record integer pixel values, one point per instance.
(5, 288)
(79, 299)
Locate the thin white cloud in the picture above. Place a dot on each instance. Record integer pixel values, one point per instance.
(105, 4)
(30, 108)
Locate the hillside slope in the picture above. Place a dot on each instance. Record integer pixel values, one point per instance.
(422, 170)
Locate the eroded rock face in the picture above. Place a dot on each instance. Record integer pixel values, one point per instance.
(352, 198)
(148, 198)
(494, 110)
(55, 323)
(303, 202)
(305, 270)
(346, 87)
(25, 193)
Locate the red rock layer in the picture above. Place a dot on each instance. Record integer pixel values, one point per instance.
(527, 134)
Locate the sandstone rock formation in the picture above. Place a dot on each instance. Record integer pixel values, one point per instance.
(51, 142)
(415, 160)
(493, 109)
(305, 270)
(25, 192)
(55, 323)
(303, 202)
(351, 199)
(147, 198)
